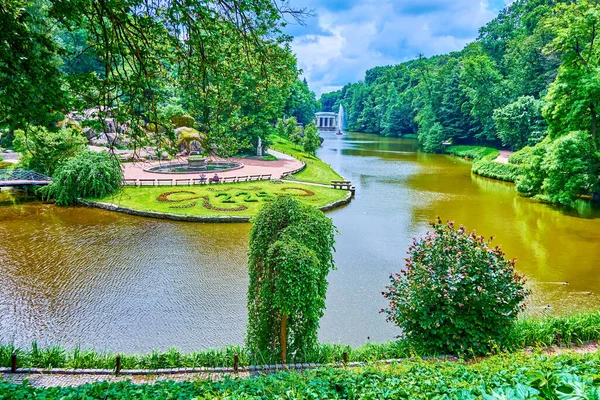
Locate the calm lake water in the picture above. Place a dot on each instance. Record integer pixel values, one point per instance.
(77, 276)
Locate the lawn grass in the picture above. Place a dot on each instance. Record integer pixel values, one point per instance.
(229, 199)
(473, 152)
(316, 170)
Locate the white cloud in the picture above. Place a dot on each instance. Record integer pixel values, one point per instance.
(345, 40)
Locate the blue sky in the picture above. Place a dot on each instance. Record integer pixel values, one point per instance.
(345, 38)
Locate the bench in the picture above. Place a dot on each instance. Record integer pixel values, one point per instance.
(345, 185)
(229, 179)
(165, 182)
(242, 178)
(266, 177)
(184, 182)
(254, 178)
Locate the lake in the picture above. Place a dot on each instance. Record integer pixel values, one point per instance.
(89, 277)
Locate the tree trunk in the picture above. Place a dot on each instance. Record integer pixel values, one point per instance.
(594, 124)
(283, 338)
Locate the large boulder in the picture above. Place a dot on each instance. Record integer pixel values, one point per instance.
(184, 120)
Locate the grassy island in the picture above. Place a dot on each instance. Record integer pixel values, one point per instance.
(235, 199)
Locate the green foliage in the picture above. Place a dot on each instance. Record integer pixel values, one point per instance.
(532, 178)
(518, 376)
(316, 170)
(233, 73)
(521, 156)
(574, 97)
(31, 85)
(44, 151)
(473, 152)
(496, 170)
(458, 294)
(286, 128)
(7, 165)
(559, 171)
(572, 168)
(312, 140)
(521, 123)
(455, 96)
(290, 256)
(301, 103)
(88, 174)
(527, 332)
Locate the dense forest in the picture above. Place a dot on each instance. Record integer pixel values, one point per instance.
(135, 65)
(531, 80)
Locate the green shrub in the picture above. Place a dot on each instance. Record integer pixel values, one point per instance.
(44, 151)
(522, 156)
(457, 295)
(7, 165)
(496, 170)
(312, 140)
(87, 175)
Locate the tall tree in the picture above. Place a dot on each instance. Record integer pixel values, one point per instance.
(290, 256)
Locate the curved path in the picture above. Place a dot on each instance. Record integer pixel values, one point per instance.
(276, 169)
(503, 157)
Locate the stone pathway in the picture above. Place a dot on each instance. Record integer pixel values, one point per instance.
(51, 380)
(64, 380)
(503, 157)
(10, 157)
(276, 169)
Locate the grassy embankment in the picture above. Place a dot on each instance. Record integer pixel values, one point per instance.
(235, 199)
(484, 164)
(316, 170)
(516, 376)
(528, 332)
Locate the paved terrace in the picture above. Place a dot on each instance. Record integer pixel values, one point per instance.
(277, 168)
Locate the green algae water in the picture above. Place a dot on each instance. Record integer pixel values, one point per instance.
(88, 277)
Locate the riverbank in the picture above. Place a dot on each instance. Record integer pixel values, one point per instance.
(528, 333)
(488, 162)
(509, 376)
(315, 169)
(231, 202)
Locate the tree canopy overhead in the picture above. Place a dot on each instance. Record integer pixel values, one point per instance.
(225, 62)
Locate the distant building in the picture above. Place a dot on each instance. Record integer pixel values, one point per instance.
(326, 121)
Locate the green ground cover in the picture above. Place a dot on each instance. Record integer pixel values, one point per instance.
(516, 376)
(528, 332)
(316, 170)
(473, 152)
(235, 199)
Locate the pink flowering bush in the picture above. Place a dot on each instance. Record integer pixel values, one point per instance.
(457, 295)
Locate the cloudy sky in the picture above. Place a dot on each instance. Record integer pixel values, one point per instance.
(347, 37)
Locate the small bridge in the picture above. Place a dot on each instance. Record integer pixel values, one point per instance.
(21, 177)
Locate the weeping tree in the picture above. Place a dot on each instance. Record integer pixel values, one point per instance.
(290, 256)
